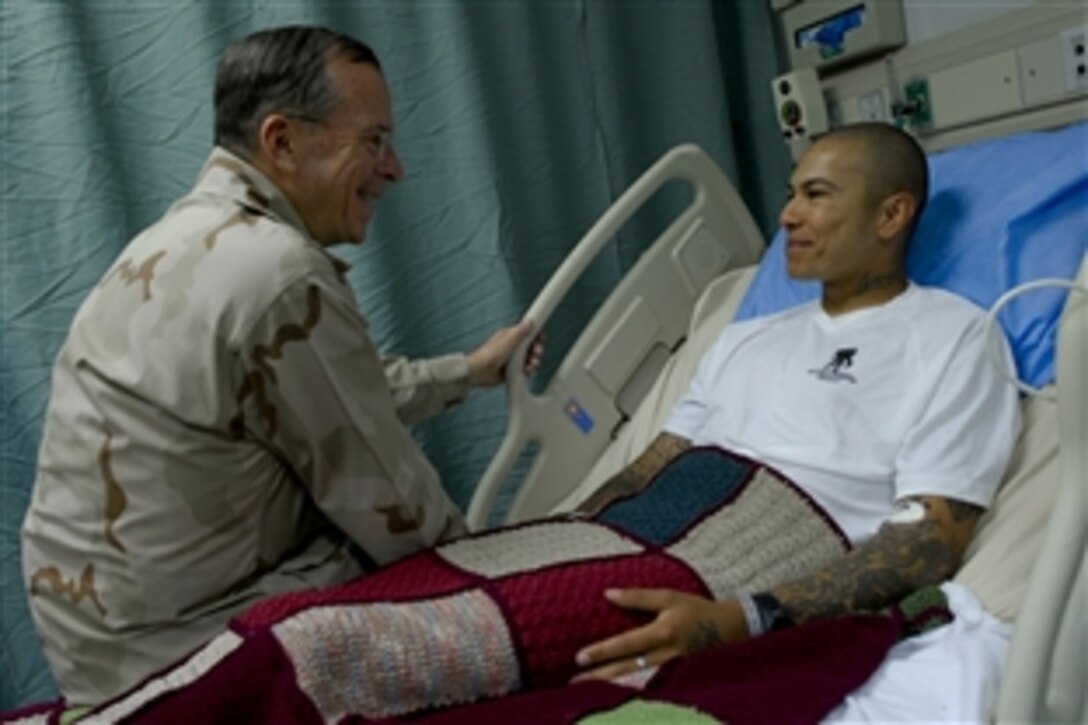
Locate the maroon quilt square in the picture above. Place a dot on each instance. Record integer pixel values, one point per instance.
(424, 575)
(554, 612)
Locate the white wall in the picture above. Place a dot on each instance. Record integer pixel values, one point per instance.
(927, 19)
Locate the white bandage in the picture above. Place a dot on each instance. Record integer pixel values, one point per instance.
(907, 511)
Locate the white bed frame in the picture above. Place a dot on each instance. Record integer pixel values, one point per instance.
(1046, 678)
(619, 355)
(612, 365)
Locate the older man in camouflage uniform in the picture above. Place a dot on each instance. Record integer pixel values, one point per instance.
(221, 427)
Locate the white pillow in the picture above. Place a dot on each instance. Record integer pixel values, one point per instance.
(999, 560)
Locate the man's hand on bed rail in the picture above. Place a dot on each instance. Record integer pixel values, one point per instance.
(487, 363)
(921, 544)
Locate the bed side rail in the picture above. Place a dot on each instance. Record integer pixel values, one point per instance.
(615, 360)
(1045, 675)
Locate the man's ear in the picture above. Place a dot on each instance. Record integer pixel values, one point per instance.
(895, 215)
(278, 142)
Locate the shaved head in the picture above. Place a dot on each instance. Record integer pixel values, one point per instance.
(891, 160)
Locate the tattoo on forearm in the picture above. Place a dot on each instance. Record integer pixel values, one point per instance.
(639, 472)
(896, 561)
(962, 512)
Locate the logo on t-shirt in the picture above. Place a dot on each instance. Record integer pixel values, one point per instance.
(832, 372)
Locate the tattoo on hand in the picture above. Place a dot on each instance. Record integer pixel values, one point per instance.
(705, 636)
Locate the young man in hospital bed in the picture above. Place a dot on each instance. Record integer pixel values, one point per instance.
(878, 401)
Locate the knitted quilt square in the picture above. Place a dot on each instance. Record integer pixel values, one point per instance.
(426, 575)
(535, 546)
(553, 612)
(770, 532)
(693, 484)
(384, 659)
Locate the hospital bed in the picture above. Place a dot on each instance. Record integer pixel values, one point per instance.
(1007, 215)
(488, 624)
(614, 388)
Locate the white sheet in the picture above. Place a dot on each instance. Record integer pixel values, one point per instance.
(948, 675)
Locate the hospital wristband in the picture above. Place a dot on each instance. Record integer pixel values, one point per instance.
(751, 613)
(772, 615)
(763, 613)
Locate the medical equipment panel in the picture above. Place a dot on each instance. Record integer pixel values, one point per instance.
(802, 113)
(1024, 69)
(825, 34)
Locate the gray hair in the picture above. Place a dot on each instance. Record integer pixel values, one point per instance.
(278, 70)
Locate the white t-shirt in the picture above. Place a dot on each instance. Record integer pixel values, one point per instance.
(863, 408)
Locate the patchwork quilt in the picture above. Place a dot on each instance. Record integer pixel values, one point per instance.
(490, 622)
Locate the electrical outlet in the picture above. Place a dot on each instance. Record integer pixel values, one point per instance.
(871, 106)
(1074, 46)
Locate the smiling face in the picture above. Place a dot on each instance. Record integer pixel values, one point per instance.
(340, 163)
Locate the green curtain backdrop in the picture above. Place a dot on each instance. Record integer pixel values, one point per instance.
(518, 124)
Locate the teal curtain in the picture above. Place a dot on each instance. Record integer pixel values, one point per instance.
(518, 123)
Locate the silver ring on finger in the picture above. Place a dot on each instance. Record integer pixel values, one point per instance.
(641, 663)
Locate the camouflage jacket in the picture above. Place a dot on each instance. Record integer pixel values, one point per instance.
(221, 428)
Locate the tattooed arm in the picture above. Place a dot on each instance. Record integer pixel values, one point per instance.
(925, 547)
(899, 559)
(638, 473)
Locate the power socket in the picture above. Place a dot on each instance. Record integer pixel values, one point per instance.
(1074, 47)
(871, 106)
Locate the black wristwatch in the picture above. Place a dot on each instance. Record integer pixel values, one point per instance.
(772, 615)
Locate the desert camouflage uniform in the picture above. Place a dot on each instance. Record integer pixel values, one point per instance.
(218, 416)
